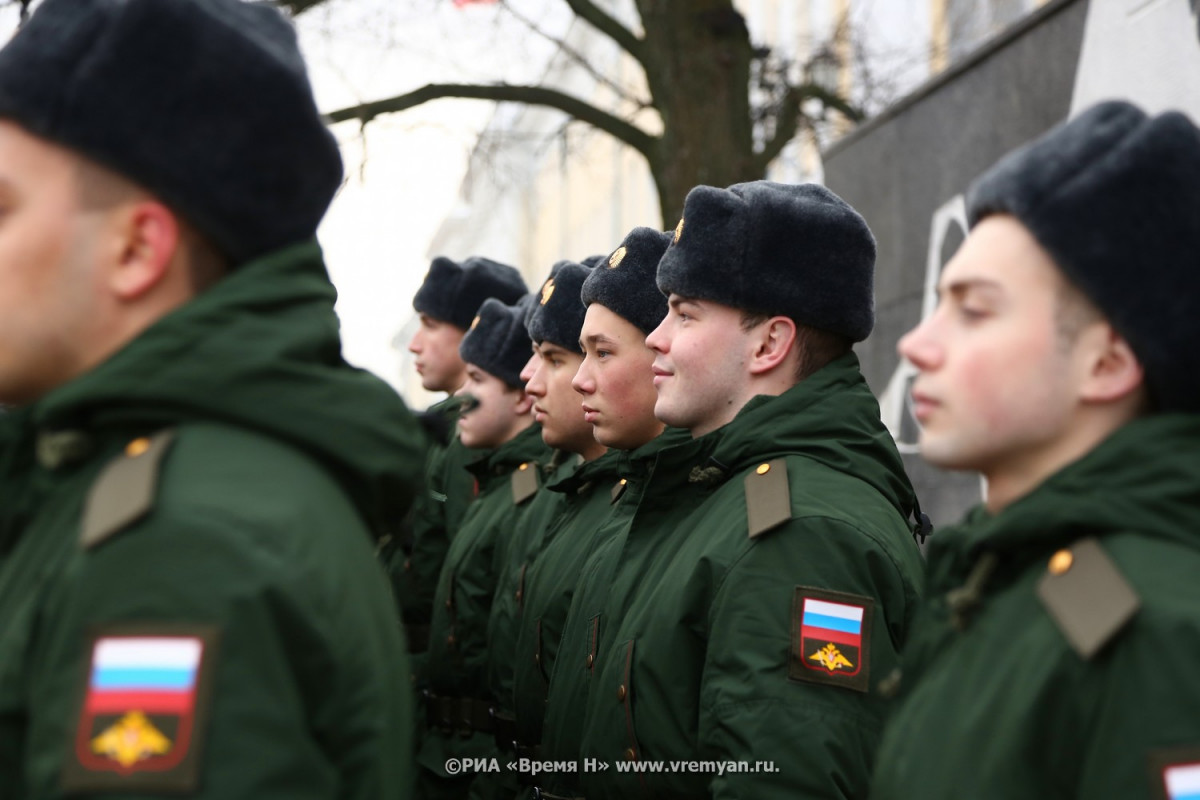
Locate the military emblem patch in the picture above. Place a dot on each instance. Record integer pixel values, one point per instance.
(616, 258)
(678, 231)
(1176, 774)
(831, 635)
(143, 710)
(547, 290)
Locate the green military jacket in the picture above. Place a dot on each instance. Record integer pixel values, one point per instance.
(1056, 653)
(637, 505)
(588, 494)
(519, 553)
(457, 661)
(436, 514)
(781, 593)
(189, 601)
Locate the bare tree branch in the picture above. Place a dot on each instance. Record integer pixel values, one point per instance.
(602, 21)
(576, 57)
(628, 133)
(788, 121)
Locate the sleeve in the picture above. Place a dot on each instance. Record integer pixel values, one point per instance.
(1142, 712)
(803, 626)
(203, 657)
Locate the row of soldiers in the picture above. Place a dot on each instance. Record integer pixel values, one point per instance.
(677, 533)
(689, 538)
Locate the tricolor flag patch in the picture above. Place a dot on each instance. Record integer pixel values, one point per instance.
(1182, 781)
(142, 711)
(831, 637)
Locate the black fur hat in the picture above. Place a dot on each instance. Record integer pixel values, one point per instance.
(557, 316)
(497, 342)
(1114, 197)
(205, 103)
(453, 292)
(795, 250)
(625, 283)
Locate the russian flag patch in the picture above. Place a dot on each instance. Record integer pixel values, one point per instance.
(1181, 781)
(831, 638)
(143, 708)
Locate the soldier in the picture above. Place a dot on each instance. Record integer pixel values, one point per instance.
(192, 475)
(776, 588)
(447, 301)
(569, 584)
(553, 323)
(499, 426)
(1056, 652)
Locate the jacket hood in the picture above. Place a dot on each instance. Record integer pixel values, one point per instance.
(260, 350)
(1145, 477)
(830, 417)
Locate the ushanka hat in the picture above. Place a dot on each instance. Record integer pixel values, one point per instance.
(1114, 197)
(453, 292)
(556, 315)
(625, 282)
(794, 250)
(205, 103)
(497, 342)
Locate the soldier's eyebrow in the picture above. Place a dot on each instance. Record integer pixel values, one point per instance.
(959, 288)
(594, 339)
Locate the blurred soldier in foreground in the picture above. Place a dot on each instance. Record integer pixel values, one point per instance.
(1056, 655)
(192, 476)
(754, 608)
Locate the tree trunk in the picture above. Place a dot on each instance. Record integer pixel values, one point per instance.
(697, 57)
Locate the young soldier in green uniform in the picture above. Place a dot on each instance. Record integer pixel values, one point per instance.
(459, 704)
(449, 298)
(192, 476)
(553, 323)
(777, 587)
(570, 584)
(1055, 656)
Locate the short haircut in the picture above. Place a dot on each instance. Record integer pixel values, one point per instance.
(100, 188)
(816, 348)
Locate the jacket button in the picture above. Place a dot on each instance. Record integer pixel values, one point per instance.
(519, 594)
(591, 659)
(1061, 562)
(630, 755)
(407, 564)
(621, 692)
(450, 640)
(449, 603)
(537, 659)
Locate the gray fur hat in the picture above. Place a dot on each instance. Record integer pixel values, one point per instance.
(496, 341)
(625, 282)
(205, 103)
(1114, 197)
(453, 292)
(795, 250)
(557, 316)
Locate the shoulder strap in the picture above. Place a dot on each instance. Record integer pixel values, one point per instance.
(768, 497)
(1087, 596)
(524, 482)
(125, 489)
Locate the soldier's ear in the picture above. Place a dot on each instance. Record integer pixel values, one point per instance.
(146, 239)
(1112, 370)
(773, 342)
(523, 403)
